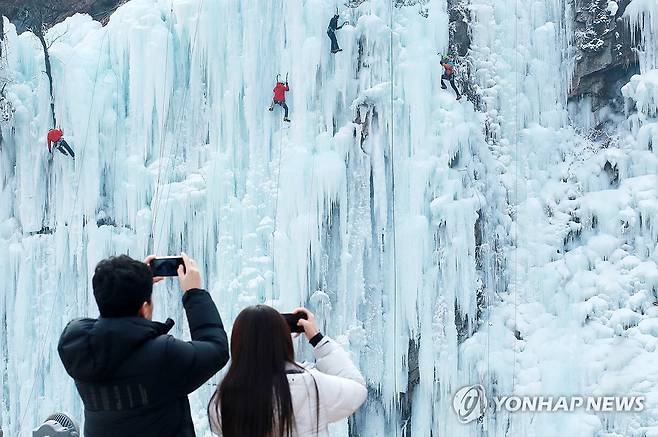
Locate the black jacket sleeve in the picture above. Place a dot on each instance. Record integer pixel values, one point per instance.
(191, 363)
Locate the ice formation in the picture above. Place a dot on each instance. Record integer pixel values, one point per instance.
(443, 245)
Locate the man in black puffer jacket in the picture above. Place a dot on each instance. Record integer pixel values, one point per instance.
(134, 378)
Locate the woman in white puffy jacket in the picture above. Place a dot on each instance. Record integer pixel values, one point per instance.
(265, 393)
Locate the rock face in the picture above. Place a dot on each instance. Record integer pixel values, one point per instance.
(100, 10)
(604, 56)
(460, 34)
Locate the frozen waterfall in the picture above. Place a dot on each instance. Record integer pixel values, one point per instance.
(444, 243)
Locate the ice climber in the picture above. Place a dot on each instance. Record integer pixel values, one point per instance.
(331, 31)
(280, 98)
(55, 138)
(449, 75)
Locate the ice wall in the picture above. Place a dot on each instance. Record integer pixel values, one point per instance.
(581, 259)
(442, 245)
(364, 207)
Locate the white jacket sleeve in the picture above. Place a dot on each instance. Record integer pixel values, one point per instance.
(341, 386)
(215, 418)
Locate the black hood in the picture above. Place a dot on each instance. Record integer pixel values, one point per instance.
(92, 349)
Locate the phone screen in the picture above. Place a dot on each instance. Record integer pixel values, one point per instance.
(166, 266)
(292, 320)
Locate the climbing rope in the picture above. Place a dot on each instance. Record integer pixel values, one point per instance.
(116, 145)
(278, 178)
(276, 199)
(42, 349)
(276, 209)
(310, 212)
(177, 128)
(516, 180)
(163, 132)
(393, 230)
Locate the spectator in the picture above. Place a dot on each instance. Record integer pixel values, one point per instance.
(265, 393)
(132, 377)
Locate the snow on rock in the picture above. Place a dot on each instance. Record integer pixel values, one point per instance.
(612, 7)
(643, 90)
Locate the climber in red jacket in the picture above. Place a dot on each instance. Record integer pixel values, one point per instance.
(55, 137)
(280, 97)
(449, 75)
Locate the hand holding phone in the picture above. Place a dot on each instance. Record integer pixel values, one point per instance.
(292, 319)
(165, 266)
(189, 275)
(169, 266)
(307, 322)
(147, 261)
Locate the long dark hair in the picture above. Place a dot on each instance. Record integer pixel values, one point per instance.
(254, 398)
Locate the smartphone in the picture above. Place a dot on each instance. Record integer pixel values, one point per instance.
(292, 320)
(166, 265)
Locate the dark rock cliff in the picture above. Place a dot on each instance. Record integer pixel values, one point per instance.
(604, 56)
(100, 10)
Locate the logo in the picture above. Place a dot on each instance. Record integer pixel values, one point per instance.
(470, 403)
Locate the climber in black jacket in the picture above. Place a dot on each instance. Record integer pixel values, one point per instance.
(331, 32)
(134, 378)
